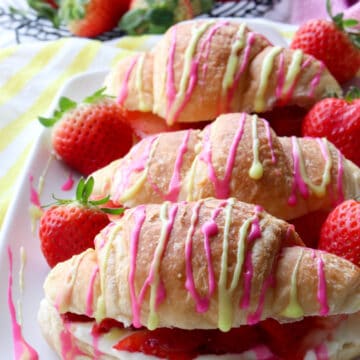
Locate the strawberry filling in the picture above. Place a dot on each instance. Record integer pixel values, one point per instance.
(286, 341)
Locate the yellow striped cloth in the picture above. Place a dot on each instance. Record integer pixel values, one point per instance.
(31, 76)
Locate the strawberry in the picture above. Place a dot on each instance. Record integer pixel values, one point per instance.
(308, 227)
(286, 121)
(144, 124)
(90, 18)
(69, 227)
(339, 121)
(90, 135)
(340, 234)
(332, 43)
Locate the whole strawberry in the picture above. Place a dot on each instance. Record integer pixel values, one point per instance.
(332, 43)
(89, 135)
(339, 121)
(340, 234)
(69, 228)
(90, 18)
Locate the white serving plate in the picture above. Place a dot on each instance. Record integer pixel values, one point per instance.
(17, 227)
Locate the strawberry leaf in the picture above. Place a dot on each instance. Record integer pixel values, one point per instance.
(113, 211)
(97, 96)
(100, 201)
(350, 22)
(352, 94)
(80, 190)
(47, 122)
(66, 104)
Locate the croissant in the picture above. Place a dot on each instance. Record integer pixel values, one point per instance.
(211, 264)
(203, 68)
(239, 156)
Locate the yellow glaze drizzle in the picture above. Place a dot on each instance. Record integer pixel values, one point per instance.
(190, 181)
(319, 190)
(267, 65)
(225, 294)
(293, 71)
(131, 192)
(233, 59)
(100, 311)
(256, 170)
(62, 302)
(154, 285)
(139, 84)
(293, 309)
(188, 56)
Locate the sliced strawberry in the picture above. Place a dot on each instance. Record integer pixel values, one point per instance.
(309, 226)
(286, 121)
(144, 124)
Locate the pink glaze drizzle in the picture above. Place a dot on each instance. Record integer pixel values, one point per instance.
(150, 280)
(34, 195)
(321, 352)
(69, 349)
(231, 92)
(206, 45)
(316, 80)
(222, 186)
(262, 352)
(209, 229)
(254, 234)
(170, 80)
(22, 350)
(298, 182)
(68, 184)
(269, 137)
(139, 215)
(201, 304)
(137, 165)
(124, 88)
(175, 182)
(90, 293)
(322, 292)
(255, 317)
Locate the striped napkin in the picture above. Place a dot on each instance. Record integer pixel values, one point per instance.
(31, 76)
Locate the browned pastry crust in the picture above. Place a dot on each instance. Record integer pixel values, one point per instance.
(279, 278)
(204, 68)
(194, 164)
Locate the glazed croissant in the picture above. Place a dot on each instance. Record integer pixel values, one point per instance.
(239, 156)
(229, 262)
(201, 69)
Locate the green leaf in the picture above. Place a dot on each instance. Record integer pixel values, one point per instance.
(87, 190)
(113, 211)
(100, 201)
(161, 16)
(66, 104)
(96, 96)
(132, 20)
(352, 93)
(47, 122)
(350, 22)
(206, 5)
(80, 189)
(355, 39)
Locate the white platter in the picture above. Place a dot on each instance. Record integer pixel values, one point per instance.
(16, 230)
